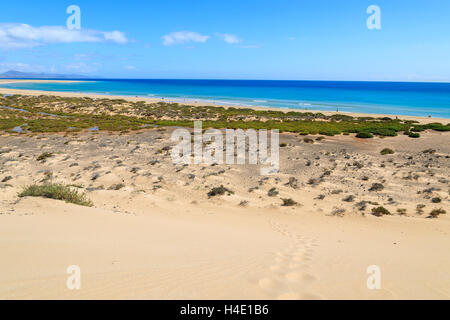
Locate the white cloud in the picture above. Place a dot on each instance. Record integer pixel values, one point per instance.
(229, 38)
(183, 37)
(15, 35)
(116, 36)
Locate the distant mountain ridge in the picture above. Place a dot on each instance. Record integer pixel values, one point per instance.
(12, 74)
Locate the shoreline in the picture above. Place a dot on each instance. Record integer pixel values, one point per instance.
(421, 119)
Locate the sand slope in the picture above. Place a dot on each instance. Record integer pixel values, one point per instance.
(160, 237)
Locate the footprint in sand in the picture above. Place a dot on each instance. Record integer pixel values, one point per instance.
(289, 278)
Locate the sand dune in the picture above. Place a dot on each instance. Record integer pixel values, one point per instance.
(159, 236)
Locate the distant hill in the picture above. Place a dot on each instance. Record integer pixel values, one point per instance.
(31, 75)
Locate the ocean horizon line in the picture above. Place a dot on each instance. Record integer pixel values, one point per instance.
(100, 78)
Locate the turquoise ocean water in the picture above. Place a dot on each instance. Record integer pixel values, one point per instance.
(394, 98)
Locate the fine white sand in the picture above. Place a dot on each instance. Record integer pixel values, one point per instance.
(161, 237)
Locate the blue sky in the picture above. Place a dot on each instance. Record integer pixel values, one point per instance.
(247, 39)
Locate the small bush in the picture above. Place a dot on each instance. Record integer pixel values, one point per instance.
(288, 202)
(349, 198)
(57, 192)
(117, 186)
(436, 213)
(419, 208)
(414, 135)
(272, 192)
(358, 164)
(384, 132)
(308, 140)
(338, 212)
(401, 212)
(380, 211)
(219, 191)
(376, 187)
(44, 156)
(436, 200)
(361, 206)
(364, 135)
(386, 151)
(313, 181)
(243, 203)
(293, 183)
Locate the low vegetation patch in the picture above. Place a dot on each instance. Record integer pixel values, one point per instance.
(380, 211)
(219, 191)
(436, 200)
(57, 192)
(272, 192)
(386, 151)
(436, 213)
(70, 114)
(44, 156)
(288, 202)
(117, 186)
(376, 187)
(364, 135)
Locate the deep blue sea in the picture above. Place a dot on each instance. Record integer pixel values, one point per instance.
(395, 98)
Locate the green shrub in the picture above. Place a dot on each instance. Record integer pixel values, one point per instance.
(384, 132)
(44, 156)
(272, 192)
(414, 135)
(436, 213)
(376, 187)
(57, 192)
(380, 211)
(288, 202)
(386, 151)
(364, 135)
(219, 191)
(436, 200)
